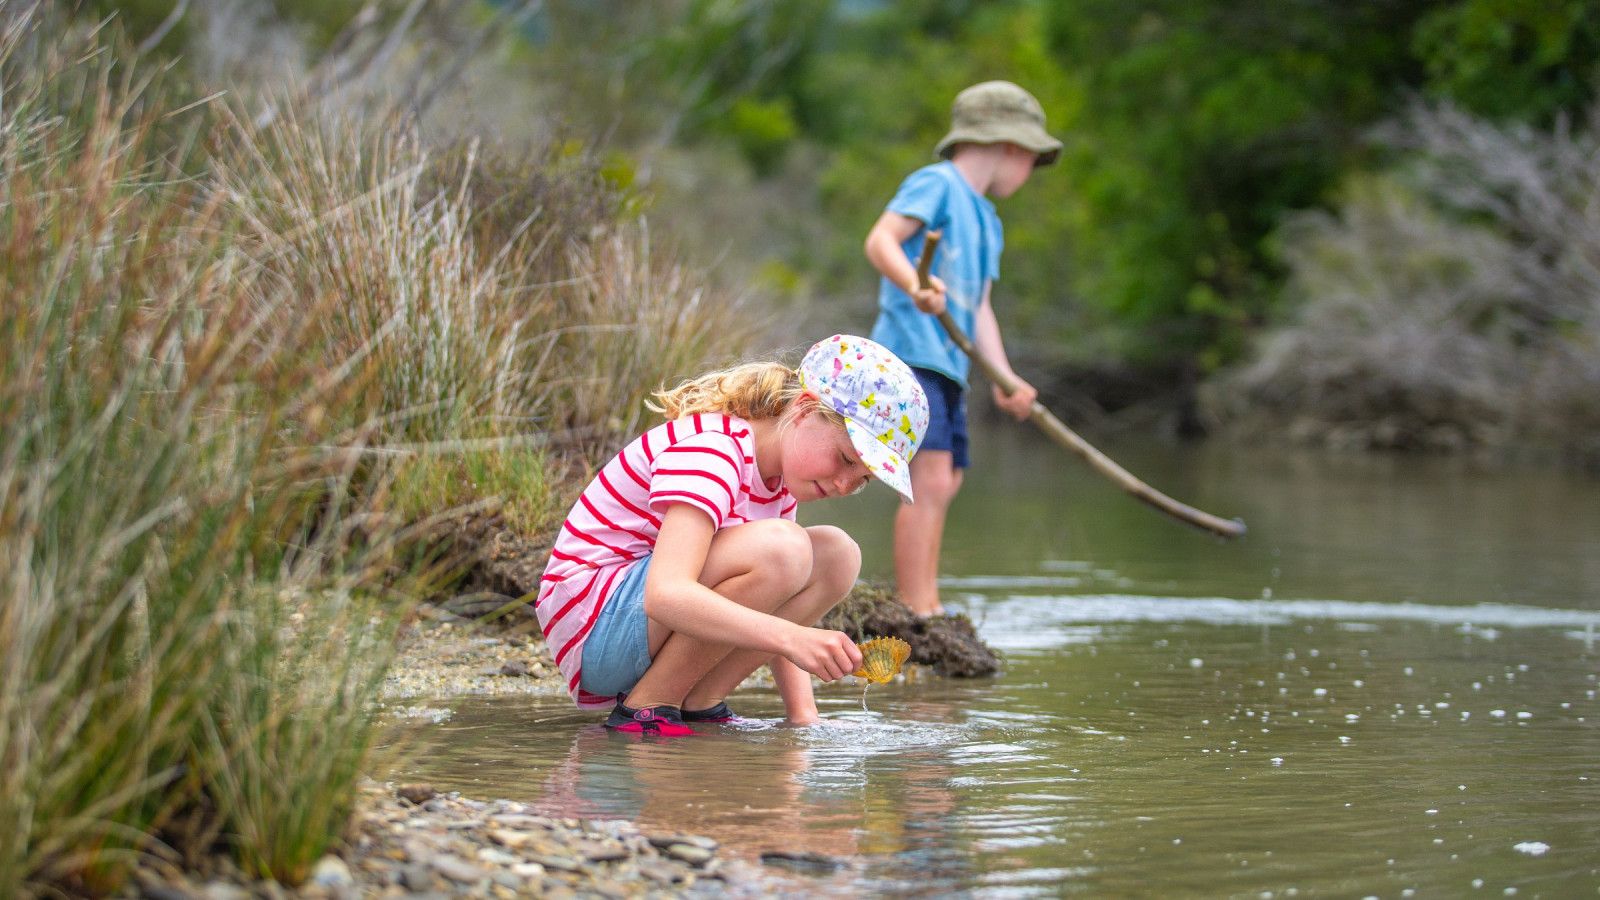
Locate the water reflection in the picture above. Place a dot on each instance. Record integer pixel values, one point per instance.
(1389, 528)
(731, 784)
(1378, 692)
(1206, 758)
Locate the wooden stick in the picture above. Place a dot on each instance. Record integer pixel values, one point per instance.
(1066, 437)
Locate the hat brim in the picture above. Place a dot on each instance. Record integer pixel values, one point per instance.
(1028, 137)
(885, 465)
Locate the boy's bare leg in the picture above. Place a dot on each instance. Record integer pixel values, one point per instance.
(919, 530)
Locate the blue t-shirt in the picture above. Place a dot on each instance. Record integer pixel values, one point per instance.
(967, 259)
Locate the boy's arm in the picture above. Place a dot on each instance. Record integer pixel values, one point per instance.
(885, 250)
(794, 686)
(987, 337)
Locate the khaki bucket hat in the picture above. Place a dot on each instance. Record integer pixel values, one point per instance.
(999, 112)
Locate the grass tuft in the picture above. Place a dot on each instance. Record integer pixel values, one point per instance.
(238, 361)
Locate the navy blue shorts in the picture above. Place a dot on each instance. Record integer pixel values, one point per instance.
(947, 416)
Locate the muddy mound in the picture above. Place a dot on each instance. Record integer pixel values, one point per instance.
(488, 567)
(496, 567)
(949, 644)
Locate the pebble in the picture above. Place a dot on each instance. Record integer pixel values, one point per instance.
(497, 857)
(416, 793)
(416, 878)
(220, 890)
(607, 852)
(456, 869)
(330, 871)
(559, 863)
(689, 853)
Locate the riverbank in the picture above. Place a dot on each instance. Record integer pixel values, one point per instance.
(409, 840)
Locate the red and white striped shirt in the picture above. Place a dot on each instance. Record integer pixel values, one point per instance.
(706, 460)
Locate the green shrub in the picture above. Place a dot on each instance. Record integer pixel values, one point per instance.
(1446, 304)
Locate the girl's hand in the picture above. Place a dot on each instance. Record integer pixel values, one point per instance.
(829, 655)
(929, 299)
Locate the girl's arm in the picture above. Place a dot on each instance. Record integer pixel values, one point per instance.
(987, 336)
(674, 596)
(794, 686)
(885, 249)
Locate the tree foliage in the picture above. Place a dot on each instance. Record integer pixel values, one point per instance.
(1192, 129)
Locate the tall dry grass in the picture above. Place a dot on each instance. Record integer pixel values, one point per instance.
(222, 347)
(1451, 303)
(161, 501)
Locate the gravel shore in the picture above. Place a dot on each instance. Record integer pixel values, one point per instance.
(446, 659)
(460, 847)
(407, 840)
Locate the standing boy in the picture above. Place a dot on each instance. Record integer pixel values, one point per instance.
(997, 138)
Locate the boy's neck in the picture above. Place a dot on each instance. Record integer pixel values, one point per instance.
(978, 164)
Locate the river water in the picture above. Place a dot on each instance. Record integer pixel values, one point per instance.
(1387, 689)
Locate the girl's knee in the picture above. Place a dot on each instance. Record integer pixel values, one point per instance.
(783, 551)
(836, 558)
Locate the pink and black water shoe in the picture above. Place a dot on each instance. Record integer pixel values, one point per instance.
(666, 721)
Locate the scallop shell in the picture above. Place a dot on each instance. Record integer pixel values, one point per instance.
(881, 658)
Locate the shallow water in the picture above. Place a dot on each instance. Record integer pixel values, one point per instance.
(1388, 689)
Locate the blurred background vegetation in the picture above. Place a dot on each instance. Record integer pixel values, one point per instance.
(1163, 249)
(763, 137)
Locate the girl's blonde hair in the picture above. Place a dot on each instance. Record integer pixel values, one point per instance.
(763, 390)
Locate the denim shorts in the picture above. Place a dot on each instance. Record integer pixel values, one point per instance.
(617, 651)
(947, 416)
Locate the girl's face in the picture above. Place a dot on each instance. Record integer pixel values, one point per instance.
(819, 460)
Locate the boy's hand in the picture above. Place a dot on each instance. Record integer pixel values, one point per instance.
(829, 655)
(1020, 402)
(930, 299)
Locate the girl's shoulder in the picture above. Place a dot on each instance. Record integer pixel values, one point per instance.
(695, 424)
(698, 429)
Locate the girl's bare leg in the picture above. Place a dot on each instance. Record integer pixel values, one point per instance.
(835, 563)
(767, 566)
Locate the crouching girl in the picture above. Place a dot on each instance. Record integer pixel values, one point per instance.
(681, 568)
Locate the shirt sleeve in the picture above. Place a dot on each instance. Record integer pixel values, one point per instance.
(922, 196)
(701, 470)
(996, 244)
